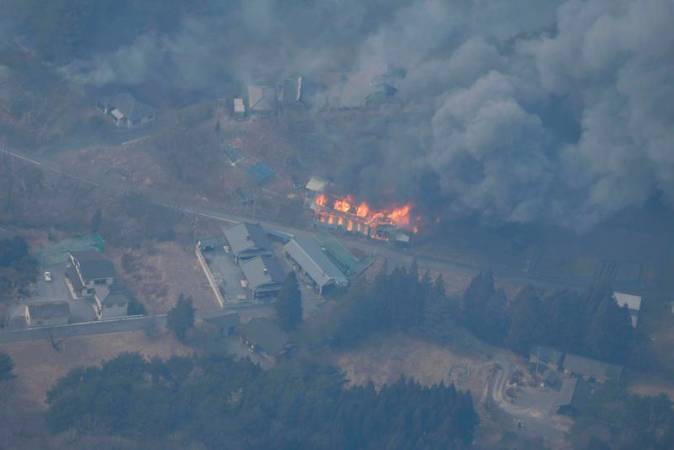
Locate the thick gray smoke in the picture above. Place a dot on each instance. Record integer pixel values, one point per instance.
(523, 111)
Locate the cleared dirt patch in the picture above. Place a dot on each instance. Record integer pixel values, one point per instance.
(158, 272)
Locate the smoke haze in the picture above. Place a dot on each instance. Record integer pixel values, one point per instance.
(520, 111)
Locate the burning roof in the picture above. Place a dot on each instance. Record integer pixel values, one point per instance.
(359, 217)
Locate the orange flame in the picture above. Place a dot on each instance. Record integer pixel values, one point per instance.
(343, 204)
(363, 210)
(322, 200)
(360, 217)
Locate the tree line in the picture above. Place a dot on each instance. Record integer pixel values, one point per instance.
(18, 269)
(223, 403)
(586, 322)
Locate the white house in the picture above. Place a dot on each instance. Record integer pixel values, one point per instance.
(633, 304)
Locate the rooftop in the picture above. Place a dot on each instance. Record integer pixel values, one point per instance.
(129, 106)
(633, 302)
(246, 237)
(265, 334)
(316, 184)
(308, 254)
(262, 271)
(93, 266)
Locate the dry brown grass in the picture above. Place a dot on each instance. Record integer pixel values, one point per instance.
(157, 273)
(384, 360)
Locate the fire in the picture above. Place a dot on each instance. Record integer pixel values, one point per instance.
(322, 200)
(343, 204)
(359, 217)
(363, 210)
(400, 216)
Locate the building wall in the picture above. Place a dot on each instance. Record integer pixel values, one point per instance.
(48, 322)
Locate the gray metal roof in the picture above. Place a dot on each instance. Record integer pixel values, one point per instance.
(247, 237)
(93, 266)
(308, 254)
(262, 271)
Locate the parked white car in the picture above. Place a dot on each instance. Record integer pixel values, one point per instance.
(47, 277)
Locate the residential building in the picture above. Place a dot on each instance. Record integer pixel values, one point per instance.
(309, 259)
(47, 314)
(632, 303)
(126, 111)
(88, 270)
(114, 305)
(265, 338)
(247, 240)
(239, 107)
(591, 369)
(263, 276)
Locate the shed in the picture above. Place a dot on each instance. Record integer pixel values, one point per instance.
(48, 313)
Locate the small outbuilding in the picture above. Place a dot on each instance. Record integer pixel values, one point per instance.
(48, 314)
(632, 303)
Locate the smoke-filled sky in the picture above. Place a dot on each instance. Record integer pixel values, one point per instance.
(518, 110)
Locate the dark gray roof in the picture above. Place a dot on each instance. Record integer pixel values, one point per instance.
(262, 271)
(48, 310)
(93, 266)
(266, 335)
(588, 367)
(246, 237)
(308, 254)
(74, 279)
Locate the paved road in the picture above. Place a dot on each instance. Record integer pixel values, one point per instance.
(403, 256)
(134, 323)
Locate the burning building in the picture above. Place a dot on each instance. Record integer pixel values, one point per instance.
(345, 214)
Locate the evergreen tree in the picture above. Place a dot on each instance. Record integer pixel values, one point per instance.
(6, 367)
(181, 317)
(289, 303)
(527, 321)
